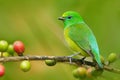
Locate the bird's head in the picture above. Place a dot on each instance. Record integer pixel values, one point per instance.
(70, 18)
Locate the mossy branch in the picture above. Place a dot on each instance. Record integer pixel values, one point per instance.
(58, 59)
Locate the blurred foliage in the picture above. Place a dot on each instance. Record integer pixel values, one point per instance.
(35, 23)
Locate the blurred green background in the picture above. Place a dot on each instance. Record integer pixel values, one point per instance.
(35, 23)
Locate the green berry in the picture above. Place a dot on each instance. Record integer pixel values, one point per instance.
(75, 73)
(6, 54)
(82, 72)
(102, 59)
(50, 62)
(97, 72)
(3, 45)
(112, 57)
(25, 66)
(10, 50)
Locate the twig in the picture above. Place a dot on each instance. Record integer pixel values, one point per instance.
(58, 59)
(112, 69)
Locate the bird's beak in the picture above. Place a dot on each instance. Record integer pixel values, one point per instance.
(61, 18)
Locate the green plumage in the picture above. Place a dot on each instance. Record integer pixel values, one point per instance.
(79, 36)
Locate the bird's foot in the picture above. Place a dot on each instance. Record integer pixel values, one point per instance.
(82, 60)
(70, 57)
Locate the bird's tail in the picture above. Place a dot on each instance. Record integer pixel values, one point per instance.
(97, 59)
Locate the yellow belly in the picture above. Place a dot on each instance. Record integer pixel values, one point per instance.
(73, 45)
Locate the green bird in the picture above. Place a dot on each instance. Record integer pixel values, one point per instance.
(79, 36)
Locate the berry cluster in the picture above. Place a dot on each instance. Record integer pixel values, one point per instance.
(7, 50)
(87, 72)
(82, 72)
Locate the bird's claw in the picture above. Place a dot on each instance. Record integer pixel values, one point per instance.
(70, 57)
(83, 60)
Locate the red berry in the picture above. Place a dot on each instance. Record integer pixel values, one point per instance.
(90, 71)
(19, 47)
(2, 70)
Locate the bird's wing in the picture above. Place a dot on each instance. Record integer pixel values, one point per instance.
(83, 37)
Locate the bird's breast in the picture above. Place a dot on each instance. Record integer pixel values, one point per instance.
(72, 44)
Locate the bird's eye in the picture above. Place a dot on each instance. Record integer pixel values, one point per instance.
(69, 17)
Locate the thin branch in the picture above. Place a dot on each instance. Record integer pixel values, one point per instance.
(58, 59)
(112, 69)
